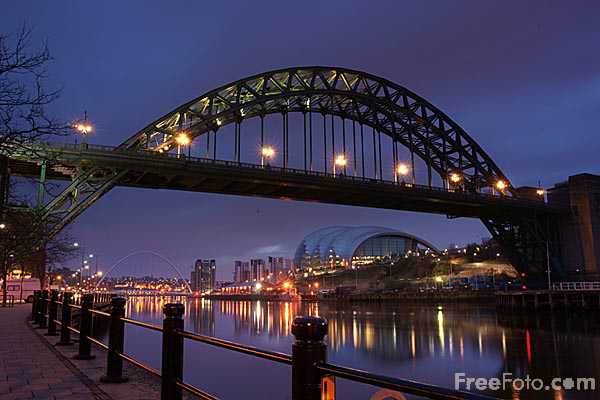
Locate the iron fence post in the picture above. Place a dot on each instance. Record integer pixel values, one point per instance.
(308, 350)
(65, 320)
(116, 337)
(42, 322)
(85, 328)
(53, 313)
(38, 308)
(172, 352)
(34, 304)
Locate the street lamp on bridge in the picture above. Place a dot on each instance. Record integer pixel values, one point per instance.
(182, 140)
(455, 178)
(340, 161)
(83, 127)
(402, 170)
(266, 152)
(501, 185)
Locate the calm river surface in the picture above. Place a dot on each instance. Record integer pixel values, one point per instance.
(423, 343)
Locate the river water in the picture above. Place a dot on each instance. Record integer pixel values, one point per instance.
(423, 343)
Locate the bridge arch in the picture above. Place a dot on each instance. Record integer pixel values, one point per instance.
(136, 253)
(369, 100)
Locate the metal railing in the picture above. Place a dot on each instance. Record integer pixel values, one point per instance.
(313, 378)
(10, 299)
(151, 154)
(575, 286)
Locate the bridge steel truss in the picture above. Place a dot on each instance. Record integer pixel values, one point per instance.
(385, 107)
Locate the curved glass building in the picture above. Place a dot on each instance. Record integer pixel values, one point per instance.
(338, 247)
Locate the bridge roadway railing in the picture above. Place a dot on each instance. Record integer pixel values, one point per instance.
(313, 378)
(575, 286)
(154, 155)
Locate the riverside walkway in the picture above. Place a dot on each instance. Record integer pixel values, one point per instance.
(31, 367)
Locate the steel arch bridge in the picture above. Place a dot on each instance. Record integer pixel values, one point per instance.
(328, 99)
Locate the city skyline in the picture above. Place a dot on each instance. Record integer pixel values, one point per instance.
(469, 86)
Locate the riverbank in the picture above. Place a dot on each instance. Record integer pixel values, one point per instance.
(477, 297)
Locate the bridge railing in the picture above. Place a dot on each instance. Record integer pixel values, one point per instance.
(575, 286)
(150, 154)
(313, 378)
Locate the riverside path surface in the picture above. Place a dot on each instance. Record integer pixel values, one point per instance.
(30, 368)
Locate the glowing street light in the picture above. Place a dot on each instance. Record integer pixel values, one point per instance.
(402, 170)
(83, 127)
(340, 161)
(2, 226)
(500, 185)
(182, 140)
(267, 152)
(540, 192)
(75, 244)
(455, 178)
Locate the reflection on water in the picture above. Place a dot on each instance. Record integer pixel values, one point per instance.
(424, 343)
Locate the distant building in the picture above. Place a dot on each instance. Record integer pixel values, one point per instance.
(241, 271)
(258, 270)
(341, 247)
(279, 268)
(579, 226)
(203, 276)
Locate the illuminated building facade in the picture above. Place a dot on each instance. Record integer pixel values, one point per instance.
(279, 268)
(258, 270)
(241, 271)
(340, 247)
(203, 276)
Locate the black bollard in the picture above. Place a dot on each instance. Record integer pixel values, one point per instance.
(42, 321)
(34, 304)
(308, 350)
(53, 313)
(65, 320)
(116, 337)
(38, 308)
(85, 328)
(172, 352)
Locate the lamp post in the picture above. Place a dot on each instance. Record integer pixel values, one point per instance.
(182, 140)
(340, 161)
(266, 152)
(501, 185)
(84, 263)
(455, 178)
(401, 170)
(83, 127)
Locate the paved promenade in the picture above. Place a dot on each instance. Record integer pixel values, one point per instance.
(31, 367)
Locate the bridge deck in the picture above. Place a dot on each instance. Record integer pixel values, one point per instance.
(167, 171)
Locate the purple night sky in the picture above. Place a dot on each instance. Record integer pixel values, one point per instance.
(522, 78)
